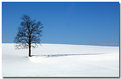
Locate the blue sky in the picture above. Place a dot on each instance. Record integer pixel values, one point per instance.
(65, 22)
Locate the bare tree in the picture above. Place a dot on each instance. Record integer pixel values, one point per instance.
(28, 33)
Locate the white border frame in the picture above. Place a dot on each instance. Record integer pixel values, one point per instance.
(48, 1)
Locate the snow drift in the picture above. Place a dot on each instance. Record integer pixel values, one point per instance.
(61, 60)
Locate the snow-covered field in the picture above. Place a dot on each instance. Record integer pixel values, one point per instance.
(61, 60)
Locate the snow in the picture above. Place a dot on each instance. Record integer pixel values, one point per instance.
(61, 60)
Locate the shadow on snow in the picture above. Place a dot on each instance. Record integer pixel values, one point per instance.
(58, 55)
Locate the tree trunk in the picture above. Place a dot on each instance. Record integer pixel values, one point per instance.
(29, 49)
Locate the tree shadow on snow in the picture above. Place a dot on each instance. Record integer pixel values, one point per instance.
(59, 55)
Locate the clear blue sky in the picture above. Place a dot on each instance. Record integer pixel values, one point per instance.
(67, 22)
